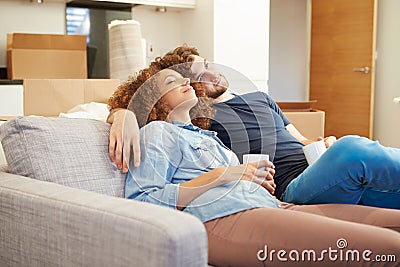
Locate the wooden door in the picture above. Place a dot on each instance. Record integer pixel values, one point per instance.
(342, 64)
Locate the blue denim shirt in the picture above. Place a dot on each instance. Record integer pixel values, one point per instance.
(172, 154)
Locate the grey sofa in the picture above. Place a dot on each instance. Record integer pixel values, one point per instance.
(61, 204)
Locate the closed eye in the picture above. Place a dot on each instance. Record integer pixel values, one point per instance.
(200, 78)
(206, 64)
(170, 80)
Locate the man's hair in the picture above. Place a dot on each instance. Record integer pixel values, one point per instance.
(185, 52)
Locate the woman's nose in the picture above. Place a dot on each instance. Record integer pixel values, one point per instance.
(185, 81)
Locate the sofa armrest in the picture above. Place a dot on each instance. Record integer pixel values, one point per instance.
(47, 224)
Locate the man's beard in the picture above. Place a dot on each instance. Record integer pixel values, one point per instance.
(217, 92)
(217, 89)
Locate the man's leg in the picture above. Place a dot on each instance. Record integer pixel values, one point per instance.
(285, 237)
(345, 171)
(385, 218)
(380, 198)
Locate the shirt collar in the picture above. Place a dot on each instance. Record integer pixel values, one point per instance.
(188, 126)
(191, 127)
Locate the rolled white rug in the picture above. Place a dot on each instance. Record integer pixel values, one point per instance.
(125, 48)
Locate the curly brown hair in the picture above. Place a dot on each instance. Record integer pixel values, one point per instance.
(147, 103)
(185, 52)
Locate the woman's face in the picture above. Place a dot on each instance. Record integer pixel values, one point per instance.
(175, 89)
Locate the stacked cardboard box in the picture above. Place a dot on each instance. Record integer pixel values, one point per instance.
(48, 56)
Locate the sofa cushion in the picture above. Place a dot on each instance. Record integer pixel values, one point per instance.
(71, 152)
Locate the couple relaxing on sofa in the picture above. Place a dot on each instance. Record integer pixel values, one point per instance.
(181, 164)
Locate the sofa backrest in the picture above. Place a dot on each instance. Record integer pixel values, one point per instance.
(71, 152)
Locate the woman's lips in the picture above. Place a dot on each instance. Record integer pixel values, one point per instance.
(188, 89)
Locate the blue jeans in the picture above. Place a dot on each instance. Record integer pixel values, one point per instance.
(354, 170)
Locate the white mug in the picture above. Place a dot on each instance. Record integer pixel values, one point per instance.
(248, 158)
(314, 150)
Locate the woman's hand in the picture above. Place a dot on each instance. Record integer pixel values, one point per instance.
(124, 134)
(328, 140)
(191, 189)
(261, 172)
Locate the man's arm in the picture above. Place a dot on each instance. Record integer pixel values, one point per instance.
(296, 134)
(124, 134)
(292, 130)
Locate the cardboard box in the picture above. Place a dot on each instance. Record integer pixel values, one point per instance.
(50, 97)
(310, 122)
(297, 106)
(46, 56)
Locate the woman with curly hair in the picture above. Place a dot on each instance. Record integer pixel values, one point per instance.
(187, 168)
(119, 101)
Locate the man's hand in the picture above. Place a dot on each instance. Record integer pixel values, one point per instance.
(124, 134)
(328, 140)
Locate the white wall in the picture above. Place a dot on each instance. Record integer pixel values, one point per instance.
(165, 31)
(229, 32)
(288, 57)
(161, 30)
(24, 16)
(387, 83)
(241, 40)
(198, 28)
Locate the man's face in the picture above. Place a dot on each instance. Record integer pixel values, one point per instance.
(207, 74)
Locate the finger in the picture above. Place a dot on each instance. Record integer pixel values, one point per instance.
(271, 172)
(329, 141)
(319, 138)
(118, 154)
(126, 156)
(136, 152)
(263, 164)
(265, 174)
(261, 173)
(111, 148)
(268, 186)
(270, 175)
(272, 183)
